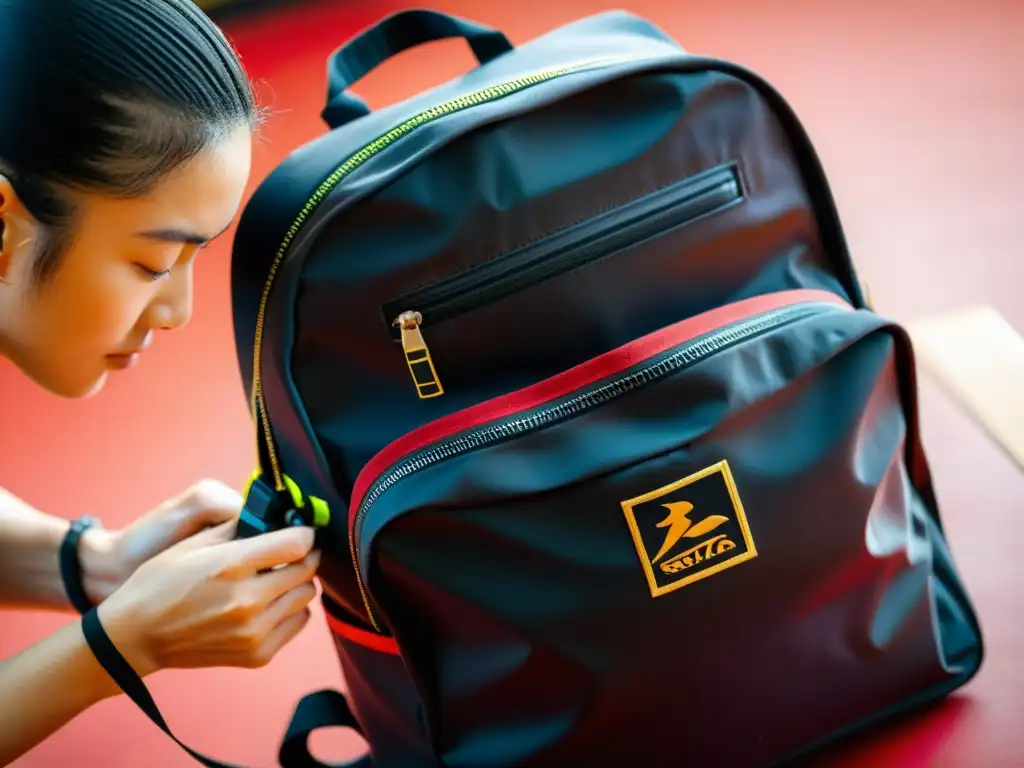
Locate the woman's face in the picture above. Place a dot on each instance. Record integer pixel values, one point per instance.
(126, 273)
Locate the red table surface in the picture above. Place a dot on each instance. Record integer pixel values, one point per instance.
(915, 108)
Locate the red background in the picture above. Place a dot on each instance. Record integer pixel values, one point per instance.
(916, 109)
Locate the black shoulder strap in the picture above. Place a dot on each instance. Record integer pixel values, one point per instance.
(321, 709)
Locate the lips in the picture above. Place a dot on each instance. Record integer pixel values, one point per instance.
(123, 361)
(129, 357)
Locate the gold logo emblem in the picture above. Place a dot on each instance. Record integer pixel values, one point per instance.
(690, 529)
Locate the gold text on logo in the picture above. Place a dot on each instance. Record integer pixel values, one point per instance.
(699, 554)
(696, 527)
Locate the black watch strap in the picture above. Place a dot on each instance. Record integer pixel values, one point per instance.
(70, 566)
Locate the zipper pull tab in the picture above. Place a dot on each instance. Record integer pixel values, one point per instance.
(417, 355)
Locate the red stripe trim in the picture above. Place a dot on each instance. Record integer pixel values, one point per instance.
(582, 375)
(361, 637)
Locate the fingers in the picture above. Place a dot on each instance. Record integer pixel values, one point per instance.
(211, 498)
(218, 534)
(292, 601)
(202, 518)
(275, 583)
(205, 504)
(260, 553)
(287, 613)
(281, 635)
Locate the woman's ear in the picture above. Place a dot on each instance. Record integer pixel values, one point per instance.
(16, 233)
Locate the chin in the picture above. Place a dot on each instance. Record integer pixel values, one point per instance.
(95, 387)
(65, 381)
(75, 390)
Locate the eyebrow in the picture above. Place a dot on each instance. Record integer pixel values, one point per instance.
(174, 235)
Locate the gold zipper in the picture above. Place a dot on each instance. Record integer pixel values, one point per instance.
(417, 356)
(351, 164)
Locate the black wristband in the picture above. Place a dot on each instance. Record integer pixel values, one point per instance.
(70, 567)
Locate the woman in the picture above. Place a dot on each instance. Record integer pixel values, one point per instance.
(125, 138)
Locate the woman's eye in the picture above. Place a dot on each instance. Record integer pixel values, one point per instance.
(153, 274)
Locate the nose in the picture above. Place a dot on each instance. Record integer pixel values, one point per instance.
(172, 306)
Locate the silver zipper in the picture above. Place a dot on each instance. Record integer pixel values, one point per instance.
(681, 357)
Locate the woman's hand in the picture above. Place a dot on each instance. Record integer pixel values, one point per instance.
(207, 601)
(108, 558)
(214, 601)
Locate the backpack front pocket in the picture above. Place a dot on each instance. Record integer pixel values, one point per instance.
(708, 538)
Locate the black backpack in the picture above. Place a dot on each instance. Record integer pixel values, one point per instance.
(610, 462)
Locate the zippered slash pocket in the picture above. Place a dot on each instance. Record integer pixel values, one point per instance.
(597, 382)
(350, 165)
(606, 234)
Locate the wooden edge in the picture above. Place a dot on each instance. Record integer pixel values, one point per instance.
(977, 357)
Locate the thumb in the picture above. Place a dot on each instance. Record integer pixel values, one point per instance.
(260, 553)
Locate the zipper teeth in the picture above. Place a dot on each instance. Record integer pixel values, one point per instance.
(450, 300)
(690, 353)
(347, 167)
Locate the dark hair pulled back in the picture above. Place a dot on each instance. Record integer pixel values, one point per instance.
(108, 96)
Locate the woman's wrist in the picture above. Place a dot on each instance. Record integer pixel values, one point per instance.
(98, 563)
(30, 543)
(97, 682)
(124, 623)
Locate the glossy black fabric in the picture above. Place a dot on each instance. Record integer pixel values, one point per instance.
(536, 230)
(521, 604)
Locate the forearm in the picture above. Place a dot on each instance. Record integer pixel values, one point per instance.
(45, 687)
(29, 565)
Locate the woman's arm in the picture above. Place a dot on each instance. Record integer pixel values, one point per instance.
(29, 565)
(209, 601)
(45, 686)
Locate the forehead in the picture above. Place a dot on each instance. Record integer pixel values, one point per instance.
(200, 196)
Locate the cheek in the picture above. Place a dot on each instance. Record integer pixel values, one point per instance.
(95, 311)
